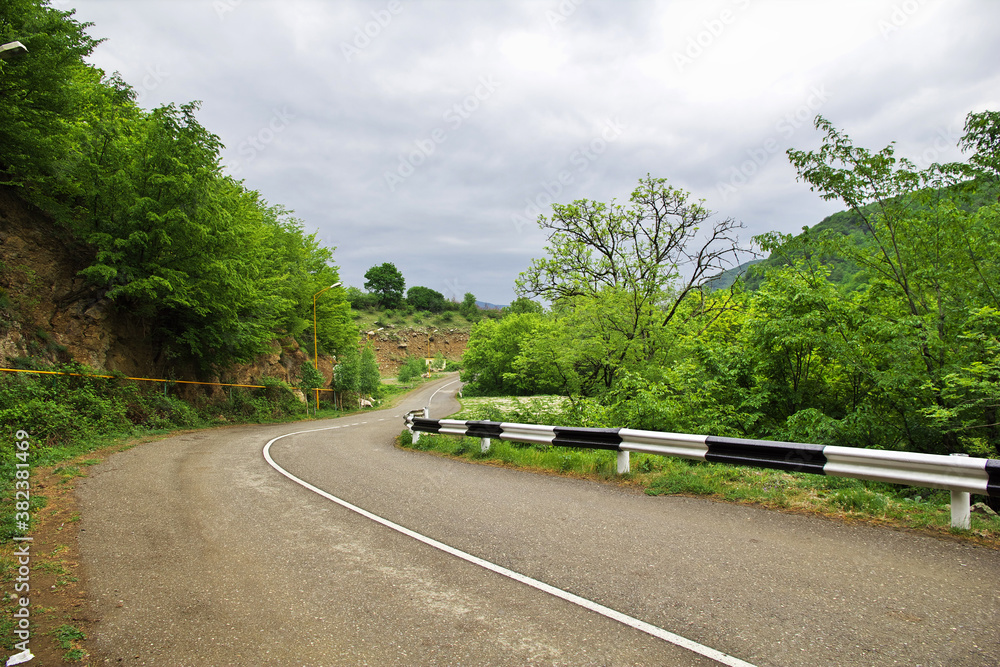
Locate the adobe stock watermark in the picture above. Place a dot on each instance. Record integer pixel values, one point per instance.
(455, 116)
(21, 625)
(154, 76)
(365, 34)
(711, 31)
(566, 8)
(945, 140)
(223, 7)
(739, 175)
(580, 160)
(899, 16)
(254, 144)
(454, 290)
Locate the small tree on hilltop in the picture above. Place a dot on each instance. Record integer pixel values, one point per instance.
(387, 282)
(424, 298)
(469, 309)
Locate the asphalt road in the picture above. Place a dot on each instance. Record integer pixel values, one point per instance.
(198, 552)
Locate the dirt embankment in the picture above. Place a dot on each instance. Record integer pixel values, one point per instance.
(394, 344)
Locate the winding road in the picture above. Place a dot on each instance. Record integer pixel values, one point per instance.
(199, 551)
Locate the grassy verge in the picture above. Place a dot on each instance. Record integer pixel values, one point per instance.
(876, 503)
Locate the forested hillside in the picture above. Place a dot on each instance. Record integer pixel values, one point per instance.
(900, 350)
(847, 223)
(211, 272)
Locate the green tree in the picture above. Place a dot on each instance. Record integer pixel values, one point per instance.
(413, 367)
(201, 262)
(345, 373)
(46, 94)
(931, 265)
(424, 298)
(468, 307)
(522, 305)
(311, 380)
(622, 274)
(490, 361)
(656, 249)
(369, 379)
(386, 281)
(360, 300)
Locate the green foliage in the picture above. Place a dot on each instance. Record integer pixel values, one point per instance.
(345, 373)
(214, 271)
(369, 378)
(522, 305)
(914, 344)
(44, 96)
(878, 328)
(412, 368)
(66, 634)
(387, 282)
(280, 395)
(500, 358)
(361, 300)
(424, 298)
(468, 308)
(311, 378)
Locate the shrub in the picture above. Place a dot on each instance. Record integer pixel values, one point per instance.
(413, 367)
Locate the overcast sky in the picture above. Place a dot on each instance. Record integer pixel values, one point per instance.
(430, 134)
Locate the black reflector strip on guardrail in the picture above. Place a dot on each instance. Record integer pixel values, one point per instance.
(792, 456)
(483, 429)
(591, 438)
(426, 425)
(993, 483)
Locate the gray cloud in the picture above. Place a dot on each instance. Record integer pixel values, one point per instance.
(429, 134)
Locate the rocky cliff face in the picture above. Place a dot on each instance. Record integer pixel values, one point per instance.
(47, 312)
(394, 344)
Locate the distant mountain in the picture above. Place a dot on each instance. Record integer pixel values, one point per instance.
(726, 279)
(482, 305)
(843, 271)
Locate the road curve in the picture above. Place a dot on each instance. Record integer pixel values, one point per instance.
(197, 552)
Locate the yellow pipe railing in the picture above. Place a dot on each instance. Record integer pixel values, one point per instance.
(215, 384)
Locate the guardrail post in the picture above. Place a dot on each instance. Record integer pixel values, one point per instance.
(960, 510)
(414, 435)
(623, 463)
(484, 445)
(961, 516)
(427, 413)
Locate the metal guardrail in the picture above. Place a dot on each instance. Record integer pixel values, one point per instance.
(962, 475)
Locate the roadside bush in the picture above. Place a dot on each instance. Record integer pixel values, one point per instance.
(279, 393)
(413, 367)
(361, 300)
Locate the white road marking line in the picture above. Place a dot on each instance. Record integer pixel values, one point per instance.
(439, 389)
(648, 628)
